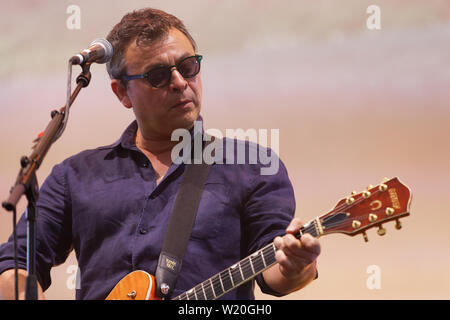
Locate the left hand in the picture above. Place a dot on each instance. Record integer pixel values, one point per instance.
(294, 255)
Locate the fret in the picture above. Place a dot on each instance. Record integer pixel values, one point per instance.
(216, 283)
(240, 269)
(192, 293)
(247, 269)
(258, 262)
(269, 254)
(203, 289)
(195, 294)
(212, 288)
(263, 260)
(199, 292)
(253, 256)
(231, 278)
(209, 291)
(236, 275)
(225, 280)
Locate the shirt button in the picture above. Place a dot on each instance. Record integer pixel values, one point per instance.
(142, 231)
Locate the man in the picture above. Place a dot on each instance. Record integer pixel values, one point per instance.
(112, 204)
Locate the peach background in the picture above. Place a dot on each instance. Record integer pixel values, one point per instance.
(352, 106)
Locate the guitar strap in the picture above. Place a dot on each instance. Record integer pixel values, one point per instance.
(180, 226)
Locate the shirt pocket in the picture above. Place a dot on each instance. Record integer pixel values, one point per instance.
(214, 205)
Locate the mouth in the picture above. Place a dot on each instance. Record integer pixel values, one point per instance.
(182, 104)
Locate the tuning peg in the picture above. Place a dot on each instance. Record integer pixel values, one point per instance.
(365, 237)
(381, 231)
(383, 187)
(369, 187)
(349, 200)
(398, 224)
(366, 194)
(354, 192)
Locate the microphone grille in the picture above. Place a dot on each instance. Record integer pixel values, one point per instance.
(107, 46)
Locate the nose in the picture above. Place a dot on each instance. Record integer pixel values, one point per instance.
(177, 82)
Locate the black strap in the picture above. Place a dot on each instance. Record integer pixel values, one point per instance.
(180, 225)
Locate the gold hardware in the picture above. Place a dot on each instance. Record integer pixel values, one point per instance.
(394, 198)
(375, 205)
(389, 211)
(385, 179)
(398, 224)
(132, 294)
(383, 187)
(366, 194)
(369, 187)
(365, 237)
(354, 192)
(381, 231)
(356, 224)
(373, 217)
(347, 214)
(349, 200)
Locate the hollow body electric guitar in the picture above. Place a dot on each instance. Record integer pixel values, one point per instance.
(353, 215)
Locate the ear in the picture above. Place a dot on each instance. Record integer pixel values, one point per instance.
(121, 92)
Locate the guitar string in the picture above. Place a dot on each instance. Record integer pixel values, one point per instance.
(246, 265)
(246, 268)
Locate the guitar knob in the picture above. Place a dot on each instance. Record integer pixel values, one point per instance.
(365, 237)
(398, 224)
(381, 231)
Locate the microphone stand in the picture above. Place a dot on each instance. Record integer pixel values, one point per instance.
(26, 182)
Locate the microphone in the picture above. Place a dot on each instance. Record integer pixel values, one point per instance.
(99, 51)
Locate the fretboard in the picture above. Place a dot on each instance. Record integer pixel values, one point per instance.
(239, 273)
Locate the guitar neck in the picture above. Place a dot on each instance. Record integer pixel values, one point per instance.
(355, 214)
(241, 272)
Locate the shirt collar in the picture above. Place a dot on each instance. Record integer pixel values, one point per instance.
(127, 139)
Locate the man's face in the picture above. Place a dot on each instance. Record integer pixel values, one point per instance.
(159, 111)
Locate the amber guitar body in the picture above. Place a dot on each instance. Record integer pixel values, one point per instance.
(137, 285)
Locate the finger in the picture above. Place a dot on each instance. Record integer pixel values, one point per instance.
(278, 242)
(310, 244)
(294, 226)
(290, 266)
(294, 248)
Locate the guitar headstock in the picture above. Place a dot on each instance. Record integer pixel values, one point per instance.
(388, 201)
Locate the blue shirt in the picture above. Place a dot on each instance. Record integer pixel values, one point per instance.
(106, 205)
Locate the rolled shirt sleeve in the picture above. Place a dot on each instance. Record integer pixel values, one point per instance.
(53, 230)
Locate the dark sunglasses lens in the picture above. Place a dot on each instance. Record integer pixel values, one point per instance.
(158, 77)
(189, 67)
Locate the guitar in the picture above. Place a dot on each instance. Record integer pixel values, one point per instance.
(388, 201)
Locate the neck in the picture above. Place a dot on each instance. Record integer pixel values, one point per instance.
(154, 145)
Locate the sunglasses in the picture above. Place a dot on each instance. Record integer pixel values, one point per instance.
(159, 77)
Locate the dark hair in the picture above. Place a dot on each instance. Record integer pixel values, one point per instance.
(145, 26)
